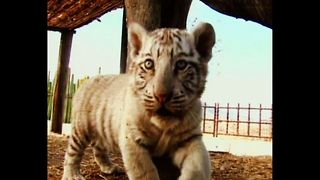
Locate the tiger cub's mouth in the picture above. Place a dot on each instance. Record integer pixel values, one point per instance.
(163, 111)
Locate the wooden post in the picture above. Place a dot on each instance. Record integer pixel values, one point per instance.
(124, 44)
(61, 81)
(49, 102)
(174, 13)
(67, 100)
(157, 14)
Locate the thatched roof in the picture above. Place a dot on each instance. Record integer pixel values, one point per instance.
(72, 14)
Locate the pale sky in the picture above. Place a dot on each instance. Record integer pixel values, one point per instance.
(240, 70)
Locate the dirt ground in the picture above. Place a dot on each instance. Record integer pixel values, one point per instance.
(225, 166)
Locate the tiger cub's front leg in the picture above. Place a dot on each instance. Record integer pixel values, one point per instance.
(103, 160)
(193, 160)
(73, 156)
(137, 161)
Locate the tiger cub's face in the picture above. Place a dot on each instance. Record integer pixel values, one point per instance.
(169, 66)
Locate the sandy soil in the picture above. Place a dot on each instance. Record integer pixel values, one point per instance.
(225, 166)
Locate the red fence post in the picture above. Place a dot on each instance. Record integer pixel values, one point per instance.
(204, 117)
(260, 109)
(248, 120)
(238, 109)
(214, 120)
(217, 126)
(227, 119)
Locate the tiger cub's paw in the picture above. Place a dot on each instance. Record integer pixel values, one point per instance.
(112, 169)
(73, 177)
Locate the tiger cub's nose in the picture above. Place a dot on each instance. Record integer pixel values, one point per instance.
(161, 97)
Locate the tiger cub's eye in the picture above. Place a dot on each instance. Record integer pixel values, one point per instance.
(181, 64)
(148, 64)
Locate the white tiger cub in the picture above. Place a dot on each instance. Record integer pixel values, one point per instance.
(152, 111)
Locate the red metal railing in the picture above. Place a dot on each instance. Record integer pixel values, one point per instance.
(255, 122)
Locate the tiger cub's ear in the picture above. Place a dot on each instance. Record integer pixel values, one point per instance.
(136, 36)
(204, 39)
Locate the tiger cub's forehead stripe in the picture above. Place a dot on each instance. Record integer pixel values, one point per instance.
(170, 42)
(164, 37)
(171, 53)
(184, 54)
(158, 53)
(178, 47)
(146, 55)
(176, 36)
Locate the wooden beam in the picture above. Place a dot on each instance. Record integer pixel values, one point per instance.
(124, 40)
(61, 81)
(259, 11)
(50, 28)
